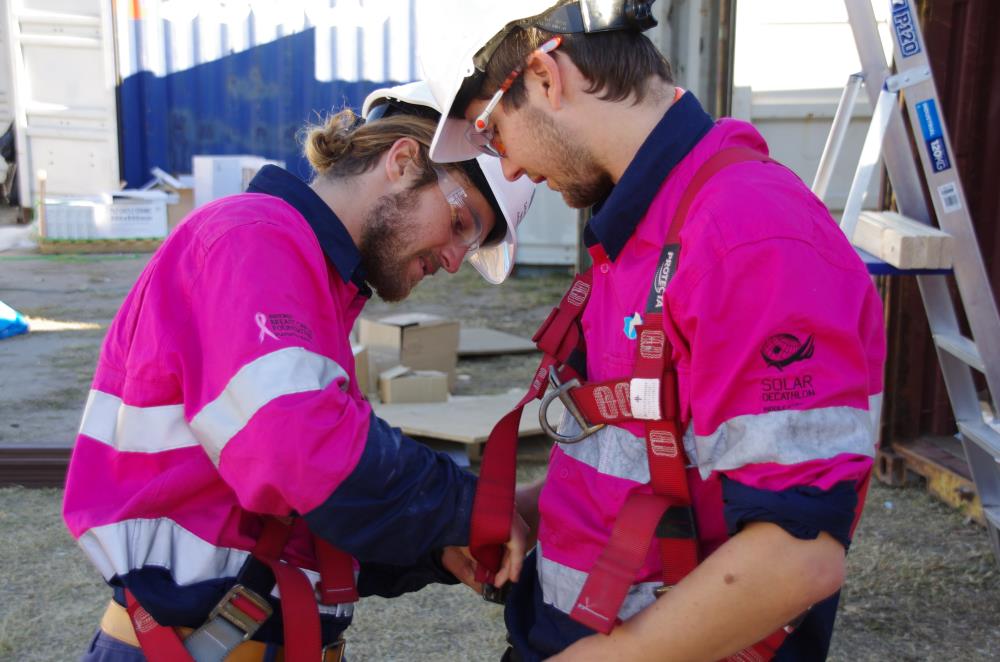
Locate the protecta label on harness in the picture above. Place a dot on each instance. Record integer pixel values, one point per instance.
(664, 272)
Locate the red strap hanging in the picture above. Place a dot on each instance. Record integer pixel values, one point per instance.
(336, 574)
(158, 643)
(493, 507)
(299, 612)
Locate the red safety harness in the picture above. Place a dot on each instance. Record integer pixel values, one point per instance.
(245, 608)
(650, 396)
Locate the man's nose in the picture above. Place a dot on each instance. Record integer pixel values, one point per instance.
(452, 256)
(510, 169)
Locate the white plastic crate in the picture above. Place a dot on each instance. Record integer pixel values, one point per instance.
(125, 215)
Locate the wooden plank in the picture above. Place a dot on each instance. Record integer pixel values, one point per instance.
(70, 246)
(33, 466)
(476, 341)
(467, 419)
(947, 476)
(903, 242)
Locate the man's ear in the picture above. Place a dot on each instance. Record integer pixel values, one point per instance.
(543, 70)
(401, 159)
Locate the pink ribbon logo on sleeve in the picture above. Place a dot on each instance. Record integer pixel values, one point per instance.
(261, 320)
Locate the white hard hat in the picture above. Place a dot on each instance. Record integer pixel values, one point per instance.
(495, 260)
(447, 59)
(447, 53)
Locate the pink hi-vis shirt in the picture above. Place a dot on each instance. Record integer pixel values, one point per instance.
(779, 345)
(225, 390)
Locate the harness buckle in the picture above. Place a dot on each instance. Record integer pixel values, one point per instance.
(496, 595)
(244, 609)
(561, 390)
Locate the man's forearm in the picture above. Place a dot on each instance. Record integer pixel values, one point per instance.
(758, 581)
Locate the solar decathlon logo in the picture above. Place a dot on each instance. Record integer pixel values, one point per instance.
(784, 349)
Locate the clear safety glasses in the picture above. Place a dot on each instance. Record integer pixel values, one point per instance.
(466, 225)
(480, 133)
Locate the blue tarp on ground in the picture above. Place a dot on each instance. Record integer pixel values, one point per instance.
(252, 102)
(12, 323)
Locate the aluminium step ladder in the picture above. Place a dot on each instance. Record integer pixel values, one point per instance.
(888, 135)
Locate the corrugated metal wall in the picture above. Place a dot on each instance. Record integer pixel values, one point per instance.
(965, 58)
(244, 77)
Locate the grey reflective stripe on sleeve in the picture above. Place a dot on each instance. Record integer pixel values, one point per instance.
(286, 371)
(135, 429)
(561, 586)
(785, 437)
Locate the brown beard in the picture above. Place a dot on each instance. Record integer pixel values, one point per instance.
(385, 241)
(582, 182)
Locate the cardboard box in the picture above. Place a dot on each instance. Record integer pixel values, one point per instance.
(180, 194)
(363, 369)
(401, 384)
(417, 340)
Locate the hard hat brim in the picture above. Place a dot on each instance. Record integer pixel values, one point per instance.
(449, 143)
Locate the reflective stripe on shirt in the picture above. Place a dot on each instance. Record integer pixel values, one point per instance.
(127, 428)
(119, 548)
(135, 429)
(561, 586)
(286, 371)
(751, 439)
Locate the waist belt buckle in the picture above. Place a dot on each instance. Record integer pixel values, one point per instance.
(244, 609)
(561, 390)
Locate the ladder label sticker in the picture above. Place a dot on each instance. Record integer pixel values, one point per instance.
(930, 127)
(950, 201)
(903, 23)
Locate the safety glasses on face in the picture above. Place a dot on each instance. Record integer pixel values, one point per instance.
(466, 225)
(480, 134)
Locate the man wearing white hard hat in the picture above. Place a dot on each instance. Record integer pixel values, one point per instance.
(230, 479)
(719, 363)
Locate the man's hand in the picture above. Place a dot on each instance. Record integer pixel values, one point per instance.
(459, 562)
(516, 548)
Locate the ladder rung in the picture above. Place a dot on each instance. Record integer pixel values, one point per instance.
(962, 348)
(983, 436)
(992, 515)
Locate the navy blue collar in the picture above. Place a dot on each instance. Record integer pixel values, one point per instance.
(330, 231)
(614, 222)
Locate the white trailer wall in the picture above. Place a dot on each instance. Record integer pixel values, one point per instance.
(792, 61)
(61, 57)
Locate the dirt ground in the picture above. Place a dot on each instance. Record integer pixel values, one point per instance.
(922, 582)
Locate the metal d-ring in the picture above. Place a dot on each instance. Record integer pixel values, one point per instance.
(561, 390)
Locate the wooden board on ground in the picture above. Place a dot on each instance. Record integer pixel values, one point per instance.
(67, 247)
(940, 461)
(467, 419)
(488, 342)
